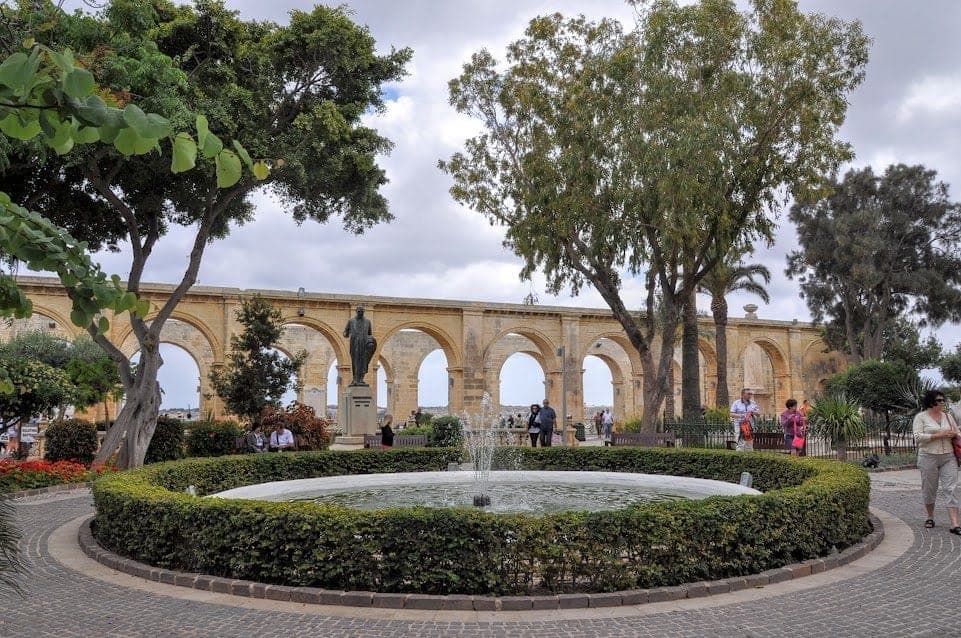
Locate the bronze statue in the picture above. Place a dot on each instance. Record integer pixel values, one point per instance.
(362, 345)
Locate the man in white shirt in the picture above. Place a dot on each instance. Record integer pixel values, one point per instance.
(744, 408)
(281, 439)
(607, 421)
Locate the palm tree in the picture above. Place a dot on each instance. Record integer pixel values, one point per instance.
(723, 279)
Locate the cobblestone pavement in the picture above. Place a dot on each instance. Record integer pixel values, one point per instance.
(915, 595)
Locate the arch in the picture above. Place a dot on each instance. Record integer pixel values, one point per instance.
(543, 343)
(427, 371)
(444, 340)
(217, 352)
(204, 360)
(63, 323)
(779, 360)
(620, 339)
(522, 360)
(334, 339)
(617, 375)
(495, 365)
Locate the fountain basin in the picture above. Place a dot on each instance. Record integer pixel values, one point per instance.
(526, 492)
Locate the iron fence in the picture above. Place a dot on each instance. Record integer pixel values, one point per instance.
(882, 438)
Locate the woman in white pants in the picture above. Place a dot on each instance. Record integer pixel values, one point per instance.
(934, 430)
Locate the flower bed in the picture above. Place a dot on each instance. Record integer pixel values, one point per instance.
(26, 475)
(810, 507)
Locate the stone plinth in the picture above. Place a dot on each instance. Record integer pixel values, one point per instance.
(360, 416)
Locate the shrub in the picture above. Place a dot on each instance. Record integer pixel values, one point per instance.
(27, 475)
(718, 415)
(310, 432)
(810, 507)
(446, 431)
(417, 429)
(212, 438)
(72, 439)
(839, 419)
(168, 441)
(630, 425)
(426, 418)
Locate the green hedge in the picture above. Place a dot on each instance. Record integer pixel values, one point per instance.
(810, 506)
(212, 438)
(71, 440)
(167, 442)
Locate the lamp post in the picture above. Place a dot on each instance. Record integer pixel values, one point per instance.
(563, 355)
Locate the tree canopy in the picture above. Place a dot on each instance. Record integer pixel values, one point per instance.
(878, 250)
(294, 94)
(608, 154)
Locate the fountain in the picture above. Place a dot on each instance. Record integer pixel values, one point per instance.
(480, 439)
(496, 491)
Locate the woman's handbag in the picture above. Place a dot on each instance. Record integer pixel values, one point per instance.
(798, 443)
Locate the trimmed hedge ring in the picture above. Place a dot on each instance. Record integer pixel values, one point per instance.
(809, 508)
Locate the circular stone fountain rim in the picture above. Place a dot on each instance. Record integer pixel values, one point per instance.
(282, 490)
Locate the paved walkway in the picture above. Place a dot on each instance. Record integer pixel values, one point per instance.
(909, 586)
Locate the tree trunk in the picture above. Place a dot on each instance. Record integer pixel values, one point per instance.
(137, 420)
(658, 381)
(842, 450)
(690, 364)
(719, 310)
(670, 403)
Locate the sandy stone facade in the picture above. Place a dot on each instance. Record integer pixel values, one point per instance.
(779, 359)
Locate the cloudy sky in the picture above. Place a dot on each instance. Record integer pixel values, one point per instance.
(907, 111)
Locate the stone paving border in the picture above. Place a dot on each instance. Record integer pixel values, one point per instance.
(52, 489)
(463, 602)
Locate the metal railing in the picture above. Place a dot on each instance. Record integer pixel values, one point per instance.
(882, 438)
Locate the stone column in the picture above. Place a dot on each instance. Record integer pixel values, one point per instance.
(473, 375)
(455, 390)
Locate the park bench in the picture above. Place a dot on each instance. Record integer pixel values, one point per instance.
(646, 439)
(768, 441)
(400, 440)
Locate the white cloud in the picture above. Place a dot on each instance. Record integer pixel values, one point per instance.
(906, 111)
(932, 95)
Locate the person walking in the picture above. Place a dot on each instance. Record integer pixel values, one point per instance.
(534, 424)
(547, 418)
(934, 431)
(794, 425)
(742, 412)
(598, 422)
(607, 421)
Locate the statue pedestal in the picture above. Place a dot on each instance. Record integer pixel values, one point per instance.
(360, 417)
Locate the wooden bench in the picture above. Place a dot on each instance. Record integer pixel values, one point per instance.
(646, 439)
(400, 440)
(768, 441)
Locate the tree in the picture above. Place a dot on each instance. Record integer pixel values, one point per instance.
(876, 250)
(92, 375)
(690, 361)
(730, 275)
(256, 376)
(875, 385)
(293, 93)
(38, 388)
(951, 366)
(608, 154)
